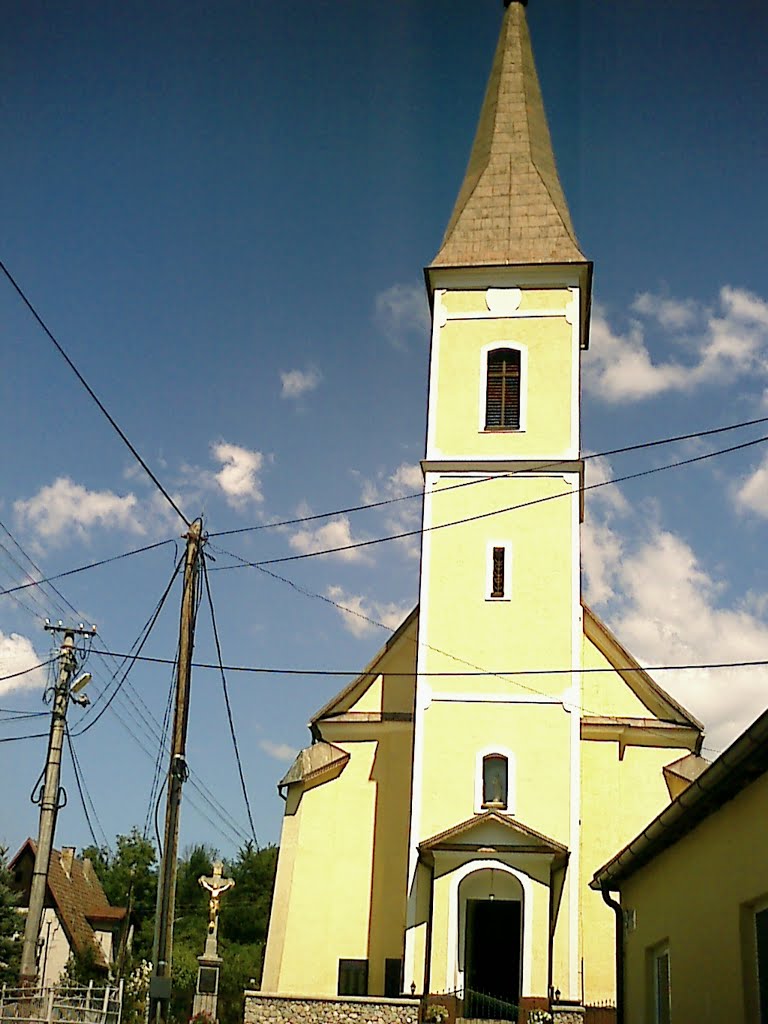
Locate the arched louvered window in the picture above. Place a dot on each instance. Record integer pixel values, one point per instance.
(495, 781)
(502, 390)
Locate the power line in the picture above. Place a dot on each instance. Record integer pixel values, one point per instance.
(475, 673)
(144, 719)
(131, 659)
(82, 568)
(93, 395)
(228, 704)
(470, 483)
(25, 672)
(495, 512)
(82, 790)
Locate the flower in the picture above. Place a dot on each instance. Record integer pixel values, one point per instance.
(436, 1013)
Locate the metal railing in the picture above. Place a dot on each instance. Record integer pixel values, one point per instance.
(71, 1004)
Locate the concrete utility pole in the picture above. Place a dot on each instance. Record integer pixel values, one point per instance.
(49, 799)
(160, 983)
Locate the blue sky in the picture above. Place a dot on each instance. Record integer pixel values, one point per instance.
(222, 212)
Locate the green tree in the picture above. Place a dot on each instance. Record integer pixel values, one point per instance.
(83, 967)
(129, 878)
(11, 925)
(245, 911)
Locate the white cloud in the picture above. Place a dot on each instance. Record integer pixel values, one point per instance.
(669, 608)
(361, 615)
(402, 312)
(64, 507)
(299, 382)
(724, 345)
(752, 493)
(403, 516)
(674, 314)
(280, 751)
(334, 534)
(17, 654)
(239, 476)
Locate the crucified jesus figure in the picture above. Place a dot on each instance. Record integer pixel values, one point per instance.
(215, 885)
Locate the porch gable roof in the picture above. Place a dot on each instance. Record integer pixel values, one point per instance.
(492, 833)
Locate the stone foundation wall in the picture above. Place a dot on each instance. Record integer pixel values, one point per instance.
(568, 1014)
(266, 1008)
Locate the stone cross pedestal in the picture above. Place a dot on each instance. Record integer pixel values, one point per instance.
(207, 991)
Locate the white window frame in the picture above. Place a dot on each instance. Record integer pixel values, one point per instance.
(507, 546)
(497, 751)
(656, 955)
(484, 351)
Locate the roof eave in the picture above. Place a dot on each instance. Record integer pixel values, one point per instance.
(744, 761)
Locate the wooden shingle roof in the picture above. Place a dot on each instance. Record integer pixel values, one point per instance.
(511, 208)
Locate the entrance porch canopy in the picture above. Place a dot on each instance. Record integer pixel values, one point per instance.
(495, 836)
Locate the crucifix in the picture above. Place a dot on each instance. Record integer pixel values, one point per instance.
(216, 885)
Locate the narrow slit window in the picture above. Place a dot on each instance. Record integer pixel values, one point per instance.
(497, 573)
(502, 390)
(495, 782)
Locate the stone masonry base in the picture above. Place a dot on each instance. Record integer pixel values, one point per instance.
(266, 1008)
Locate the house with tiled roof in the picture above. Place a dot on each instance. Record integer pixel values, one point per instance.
(77, 916)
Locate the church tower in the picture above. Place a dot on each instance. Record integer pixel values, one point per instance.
(442, 828)
(500, 578)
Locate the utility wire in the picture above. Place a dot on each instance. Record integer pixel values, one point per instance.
(495, 512)
(131, 659)
(82, 568)
(470, 483)
(83, 790)
(227, 702)
(26, 671)
(93, 395)
(474, 673)
(145, 719)
(157, 774)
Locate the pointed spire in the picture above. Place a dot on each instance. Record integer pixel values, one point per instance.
(511, 208)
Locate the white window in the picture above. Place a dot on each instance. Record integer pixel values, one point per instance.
(503, 379)
(498, 570)
(495, 780)
(662, 990)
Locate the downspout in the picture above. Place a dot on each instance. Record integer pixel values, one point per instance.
(428, 964)
(616, 908)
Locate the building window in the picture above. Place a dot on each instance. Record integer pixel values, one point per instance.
(393, 978)
(662, 992)
(498, 571)
(353, 978)
(495, 782)
(502, 389)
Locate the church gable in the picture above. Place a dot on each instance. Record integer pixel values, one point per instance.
(373, 695)
(637, 696)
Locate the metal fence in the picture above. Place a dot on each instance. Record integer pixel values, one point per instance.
(73, 1004)
(600, 1013)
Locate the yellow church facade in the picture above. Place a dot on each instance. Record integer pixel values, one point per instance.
(442, 828)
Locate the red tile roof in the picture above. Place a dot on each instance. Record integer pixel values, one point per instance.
(77, 896)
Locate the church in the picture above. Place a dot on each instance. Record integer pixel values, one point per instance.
(443, 825)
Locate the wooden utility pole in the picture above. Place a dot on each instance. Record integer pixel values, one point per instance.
(160, 983)
(49, 798)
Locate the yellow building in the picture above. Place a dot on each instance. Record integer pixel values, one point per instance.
(441, 831)
(693, 918)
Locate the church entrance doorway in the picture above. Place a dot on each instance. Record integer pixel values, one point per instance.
(493, 958)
